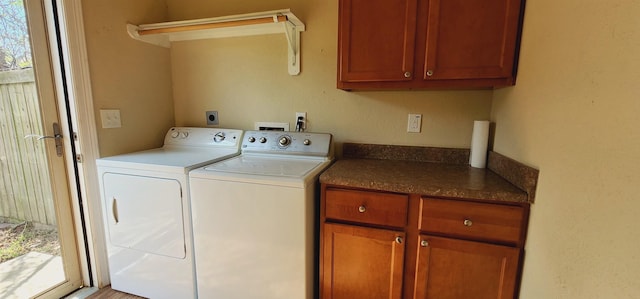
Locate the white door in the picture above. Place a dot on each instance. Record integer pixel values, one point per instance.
(144, 214)
(35, 186)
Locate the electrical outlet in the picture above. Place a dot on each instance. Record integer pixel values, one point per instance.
(303, 122)
(110, 118)
(414, 123)
(212, 118)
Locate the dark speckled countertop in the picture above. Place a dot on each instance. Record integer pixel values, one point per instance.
(363, 166)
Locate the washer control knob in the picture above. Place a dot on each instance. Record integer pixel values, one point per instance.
(219, 137)
(263, 140)
(252, 139)
(175, 134)
(284, 140)
(306, 142)
(184, 134)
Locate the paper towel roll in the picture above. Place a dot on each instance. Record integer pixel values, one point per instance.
(479, 142)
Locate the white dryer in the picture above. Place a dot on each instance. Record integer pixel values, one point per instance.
(254, 217)
(147, 211)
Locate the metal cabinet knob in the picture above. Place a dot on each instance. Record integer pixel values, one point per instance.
(467, 222)
(407, 74)
(362, 209)
(399, 240)
(429, 73)
(424, 243)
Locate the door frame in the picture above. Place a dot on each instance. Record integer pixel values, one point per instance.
(71, 69)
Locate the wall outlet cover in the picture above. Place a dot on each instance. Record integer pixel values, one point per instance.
(304, 120)
(212, 118)
(110, 118)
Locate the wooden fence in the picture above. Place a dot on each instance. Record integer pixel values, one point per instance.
(25, 188)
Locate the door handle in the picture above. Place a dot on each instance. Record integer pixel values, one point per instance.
(56, 135)
(114, 210)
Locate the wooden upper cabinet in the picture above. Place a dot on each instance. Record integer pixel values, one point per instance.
(420, 44)
(471, 39)
(376, 40)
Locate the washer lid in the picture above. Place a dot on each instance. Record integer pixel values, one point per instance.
(267, 166)
(174, 159)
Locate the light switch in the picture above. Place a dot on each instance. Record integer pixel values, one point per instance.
(110, 118)
(414, 123)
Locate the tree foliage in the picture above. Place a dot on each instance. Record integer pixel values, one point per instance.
(15, 50)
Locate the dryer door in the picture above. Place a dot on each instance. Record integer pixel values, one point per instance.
(145, 213)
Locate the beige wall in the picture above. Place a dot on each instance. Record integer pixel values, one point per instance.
(128, 75)
(574, 114)
(246, 80)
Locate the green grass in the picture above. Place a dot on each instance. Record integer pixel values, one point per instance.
(24, 238)
(14, 249)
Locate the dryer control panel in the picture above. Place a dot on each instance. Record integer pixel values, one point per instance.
(289, 143)
(207, 137)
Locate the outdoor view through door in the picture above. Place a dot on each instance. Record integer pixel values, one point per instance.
(38, 251)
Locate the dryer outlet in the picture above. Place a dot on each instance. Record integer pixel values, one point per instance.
(212, 118)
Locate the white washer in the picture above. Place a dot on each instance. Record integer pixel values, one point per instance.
(254, 217)
(146, 210)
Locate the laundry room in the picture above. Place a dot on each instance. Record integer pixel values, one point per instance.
(580, 220)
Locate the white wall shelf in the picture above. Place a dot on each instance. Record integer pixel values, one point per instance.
(268, 22)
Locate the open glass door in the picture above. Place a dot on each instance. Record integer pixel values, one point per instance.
(39, 246)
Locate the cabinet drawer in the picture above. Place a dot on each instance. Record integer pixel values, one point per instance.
(366, 207)
(480, 221)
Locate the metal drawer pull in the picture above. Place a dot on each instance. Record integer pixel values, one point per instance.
(424, 243)
(467, 222)
(362, 209)
(399, 240)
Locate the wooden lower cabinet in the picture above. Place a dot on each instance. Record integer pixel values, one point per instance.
(456, 269)
(405, 246)
(361, 262)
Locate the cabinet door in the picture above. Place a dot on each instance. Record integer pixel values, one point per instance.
(456, 269)
(360, 262)
(471, 39)
(376, 40)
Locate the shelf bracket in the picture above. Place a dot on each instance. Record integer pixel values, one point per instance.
(284, 21)
(293, 39)
(158, 40)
